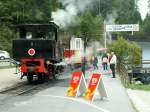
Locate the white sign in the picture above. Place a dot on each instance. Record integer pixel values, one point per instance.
(123, 27)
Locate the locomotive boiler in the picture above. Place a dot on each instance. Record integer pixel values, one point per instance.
(38, 50)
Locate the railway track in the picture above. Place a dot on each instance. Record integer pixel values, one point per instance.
(20, 89)
(26, 89)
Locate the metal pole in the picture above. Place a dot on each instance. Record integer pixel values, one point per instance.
(70, 58)
(99, 6)
(84, 60)
(105, 45)
(105, 39)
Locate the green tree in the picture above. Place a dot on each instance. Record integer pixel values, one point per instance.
(135, 54)
(146, 25)
(122, 11)
(6, 36)
(89, 27)
(128, 13)
(126, 52)
(14, 11)
(27, 10)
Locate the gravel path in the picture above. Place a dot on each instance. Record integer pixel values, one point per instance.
(9, 78)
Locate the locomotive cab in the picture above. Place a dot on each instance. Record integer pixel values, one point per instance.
(37, 49)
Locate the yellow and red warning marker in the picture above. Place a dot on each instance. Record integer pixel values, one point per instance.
(77, 84)
(94, 84)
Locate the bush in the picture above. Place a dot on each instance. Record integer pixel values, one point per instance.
(6, 36)
(126, 52)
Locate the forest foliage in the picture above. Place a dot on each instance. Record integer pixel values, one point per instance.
(91, 20)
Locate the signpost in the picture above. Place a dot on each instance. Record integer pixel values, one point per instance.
(122, 27)
(118, 28)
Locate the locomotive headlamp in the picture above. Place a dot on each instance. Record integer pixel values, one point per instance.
(31, 51)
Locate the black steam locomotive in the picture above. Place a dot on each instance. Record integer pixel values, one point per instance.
(38, 50)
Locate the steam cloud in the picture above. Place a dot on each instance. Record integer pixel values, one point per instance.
(110, 19)
(66, 17)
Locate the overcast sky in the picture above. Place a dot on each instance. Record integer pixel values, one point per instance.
(143, 7)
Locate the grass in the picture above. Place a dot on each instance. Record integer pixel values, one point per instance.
(145, 87)
(5, 67)
(140, 87)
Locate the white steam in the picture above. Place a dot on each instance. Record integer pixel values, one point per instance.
(66, 17)
(111, 18)
(93, 47)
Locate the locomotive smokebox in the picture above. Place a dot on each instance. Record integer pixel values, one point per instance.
(43, 48)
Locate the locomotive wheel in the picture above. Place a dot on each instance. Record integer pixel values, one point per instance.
(40, 77)
(30, 77)
(46, 78)
(56, 76)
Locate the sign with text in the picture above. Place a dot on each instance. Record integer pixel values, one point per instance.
(95, 83)
(123, 27)
(77, 83)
